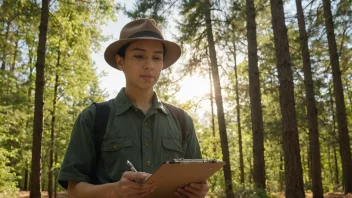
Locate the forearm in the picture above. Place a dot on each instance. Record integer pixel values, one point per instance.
(86, 190)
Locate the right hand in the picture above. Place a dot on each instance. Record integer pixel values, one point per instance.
(127, 187)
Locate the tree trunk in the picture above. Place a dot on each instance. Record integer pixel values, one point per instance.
(12, 68)
(330, 165)
(30, 78)
(219, 103)
(333, 137)
(212, 109)
(238, 118)
(344, 139)
(3, 64)
(309, 163)
(55, 176)
(25, 186)
(43, 181)
(52, 137)
(337, 180)
(349, 94)
(250, 179)
(39, 103)
(303, 159)
(293, 166)
(281, 173)
(255, 98)
(312, 113)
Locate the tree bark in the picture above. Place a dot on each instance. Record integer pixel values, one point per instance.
(55, 176)
(3, 64)
(39, 103)
(312, 113)
(337, 180)
(329, 163)
(333, 137)
(52, 136)
(219, 103)
(238, 117)
(12, 68)
(281, 173)
(255, 98)
(309, 163)
(293, 166)
(212, 108)
(349, 94)
(29, 93)
(25, 186)
(344, 139)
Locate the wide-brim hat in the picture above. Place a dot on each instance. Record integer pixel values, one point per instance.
(142, 29)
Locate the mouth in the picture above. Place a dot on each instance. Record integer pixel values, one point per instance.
(147, 76)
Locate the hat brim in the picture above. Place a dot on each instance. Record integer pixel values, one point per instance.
(173, 51)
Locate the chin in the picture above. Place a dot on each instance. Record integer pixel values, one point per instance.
(146, 87)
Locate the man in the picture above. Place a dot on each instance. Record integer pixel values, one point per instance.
(140, 128)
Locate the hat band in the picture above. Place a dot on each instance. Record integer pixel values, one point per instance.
(146, 34)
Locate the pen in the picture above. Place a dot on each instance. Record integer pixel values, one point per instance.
(133, 169)
(130, 165)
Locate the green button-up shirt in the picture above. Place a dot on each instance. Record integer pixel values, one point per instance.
(146, 140)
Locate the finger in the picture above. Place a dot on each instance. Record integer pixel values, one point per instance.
(197, 186)
(186, 193)
(146, 193)
(135, 175)
(193, 190)
(136, 191)
(179, 194)
(132, 184)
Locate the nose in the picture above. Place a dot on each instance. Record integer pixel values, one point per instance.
(149, 64)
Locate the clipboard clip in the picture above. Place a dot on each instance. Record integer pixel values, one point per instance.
(182, 160)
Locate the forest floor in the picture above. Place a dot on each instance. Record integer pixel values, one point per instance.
(25, 194)
(326, 195)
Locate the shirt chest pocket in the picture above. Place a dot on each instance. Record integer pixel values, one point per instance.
(172, 149)
(115, 153)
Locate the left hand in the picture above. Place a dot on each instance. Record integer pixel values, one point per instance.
(193, 190)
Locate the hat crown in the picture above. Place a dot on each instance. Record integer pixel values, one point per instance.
(140, 25)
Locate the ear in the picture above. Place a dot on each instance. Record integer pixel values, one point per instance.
(119, 62)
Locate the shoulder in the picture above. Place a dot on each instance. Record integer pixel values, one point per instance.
(90, 111)
(177, 111)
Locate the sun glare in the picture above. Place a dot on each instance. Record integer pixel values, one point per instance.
(193, 88)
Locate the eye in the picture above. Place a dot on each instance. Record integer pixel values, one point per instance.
(138, 56)
(157, 58)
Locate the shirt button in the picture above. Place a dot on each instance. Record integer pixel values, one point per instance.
(115, 147)
(146, 144)
(145, 123)
(148, 163)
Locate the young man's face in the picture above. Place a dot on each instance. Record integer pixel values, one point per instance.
(142, 63)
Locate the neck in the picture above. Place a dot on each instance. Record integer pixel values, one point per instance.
(140, 97)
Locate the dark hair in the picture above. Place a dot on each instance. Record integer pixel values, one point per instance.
(122, 51)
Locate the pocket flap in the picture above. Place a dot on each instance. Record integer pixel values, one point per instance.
(172, 144)
(116, 144)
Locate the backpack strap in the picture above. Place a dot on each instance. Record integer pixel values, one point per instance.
(180, 116)
(102, 111)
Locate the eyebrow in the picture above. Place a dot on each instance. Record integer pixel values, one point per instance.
(143, 50)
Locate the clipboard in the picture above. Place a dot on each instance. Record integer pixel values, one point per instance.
(180, 172)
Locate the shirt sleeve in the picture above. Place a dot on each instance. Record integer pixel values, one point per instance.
(80, 157)
(193, 148)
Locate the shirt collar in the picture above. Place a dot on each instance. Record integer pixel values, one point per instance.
(123, 103)
(158, 104)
